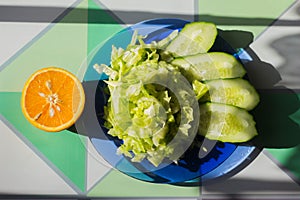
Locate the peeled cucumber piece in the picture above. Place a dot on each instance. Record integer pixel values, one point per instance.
(237, 92)
(210, 66)
(194, 38)
(226, 123)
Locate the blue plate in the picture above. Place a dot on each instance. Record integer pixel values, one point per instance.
(221, 161)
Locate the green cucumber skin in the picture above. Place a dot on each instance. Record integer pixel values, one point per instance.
(226, 123)
(194, 38)
(237, 92)
(210, 66)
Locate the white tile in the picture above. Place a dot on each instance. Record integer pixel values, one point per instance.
(17, 31)
(97, 167)
(16, 35)
(22, 171)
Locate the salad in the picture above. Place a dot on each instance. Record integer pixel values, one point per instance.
(164, 93)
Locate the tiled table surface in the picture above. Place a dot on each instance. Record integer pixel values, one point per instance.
(63, 32)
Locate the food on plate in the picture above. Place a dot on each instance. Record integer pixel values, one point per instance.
(237, 92)
(52, 99)
(226, 123)
(194, 38)
(210, 66)
(157, 88)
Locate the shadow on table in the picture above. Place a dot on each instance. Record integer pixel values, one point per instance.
(277, 115)
(288, 47)
(241, 185)
(90, 123)
(273, 115)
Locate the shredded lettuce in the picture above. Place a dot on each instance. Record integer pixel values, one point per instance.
(150, 103)
(199, 88)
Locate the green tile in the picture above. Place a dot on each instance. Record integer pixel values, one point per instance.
(100, 28)
(65, 150)
(289, 158)
(117, 184)
(251, 16)
(101, 25)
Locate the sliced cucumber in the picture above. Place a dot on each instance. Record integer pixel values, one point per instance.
(194, 38)
(226, 123)
(210, 66)
(164, 42)
(237, 92)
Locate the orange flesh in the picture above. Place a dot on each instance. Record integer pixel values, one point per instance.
(52, 99)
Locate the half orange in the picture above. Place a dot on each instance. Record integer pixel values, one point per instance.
(52, 99)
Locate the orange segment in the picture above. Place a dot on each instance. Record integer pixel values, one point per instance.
(52, 99)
